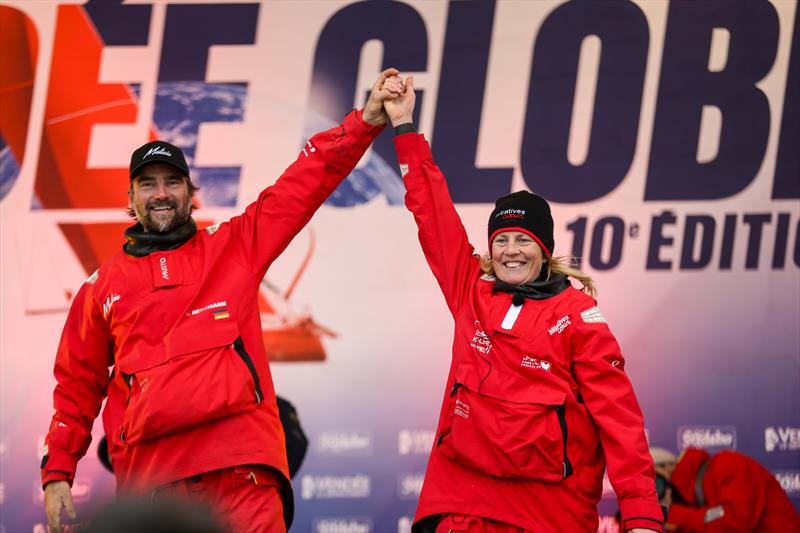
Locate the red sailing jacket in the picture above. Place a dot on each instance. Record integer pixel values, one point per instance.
(190, 390)
(737, 493)
(529, 402)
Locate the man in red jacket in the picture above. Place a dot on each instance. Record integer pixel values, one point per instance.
(191, 410)
(729, 492)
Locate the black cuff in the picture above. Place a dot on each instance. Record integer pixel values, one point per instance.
(408, 127)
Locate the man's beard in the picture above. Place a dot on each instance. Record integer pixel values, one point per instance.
(156, 224)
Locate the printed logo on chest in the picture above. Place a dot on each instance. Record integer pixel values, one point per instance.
(113, 297)
(162, 262)
(533, 362)
(480, 340)
(559, 326)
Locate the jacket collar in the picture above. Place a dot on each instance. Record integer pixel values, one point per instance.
(140, 243)
(537, 290)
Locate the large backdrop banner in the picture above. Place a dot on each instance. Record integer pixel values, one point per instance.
(664, 133)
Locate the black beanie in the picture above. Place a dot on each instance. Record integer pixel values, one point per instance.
(526, 212)
(158, 152)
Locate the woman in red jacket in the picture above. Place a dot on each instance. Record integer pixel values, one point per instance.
(537, 401)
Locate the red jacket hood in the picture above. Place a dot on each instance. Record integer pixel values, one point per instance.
(685, 474)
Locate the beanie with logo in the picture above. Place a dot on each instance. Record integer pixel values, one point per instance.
(526, 212)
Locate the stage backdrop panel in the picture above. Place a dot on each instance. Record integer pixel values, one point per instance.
(665, 135)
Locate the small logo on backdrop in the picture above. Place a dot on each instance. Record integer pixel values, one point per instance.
(480, 340)
(790, 481)
(157, 150)
(409, 486)
(415, 441)
(593, 315)
(559, 326)
(532, 362)
(342, 525)
(712, 438)
(331, 487)
(344, 442)
(782, 438)
(108, 303)
(404, 524)
(462, 409)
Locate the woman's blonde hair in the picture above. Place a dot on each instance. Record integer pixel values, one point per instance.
(567, 265)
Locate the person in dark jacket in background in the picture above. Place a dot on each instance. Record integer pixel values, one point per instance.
(537, 399)
(727, 493)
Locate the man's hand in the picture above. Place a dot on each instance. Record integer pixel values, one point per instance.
(388, 85)
(401, 108)
(57, 496)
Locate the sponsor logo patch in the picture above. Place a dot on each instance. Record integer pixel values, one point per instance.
(221, 313)
(211, 230)
(309, 149)
(403, 170)
(91, 279)
(157, 150)
(511, 213)
(559, 326)
(532, 362)
(593, 315)
(162, 263)
(113, 297)
(480, 340)
(462, 409)
(216, 305)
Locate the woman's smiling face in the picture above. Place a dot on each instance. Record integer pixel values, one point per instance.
(516, 258)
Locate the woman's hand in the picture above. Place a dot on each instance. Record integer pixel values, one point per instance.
(401, 108)
(388, 85)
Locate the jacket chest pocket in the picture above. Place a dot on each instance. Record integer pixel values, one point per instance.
(215, 380)
(510, 439)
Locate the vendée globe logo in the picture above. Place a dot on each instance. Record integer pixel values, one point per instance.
(782, 438)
